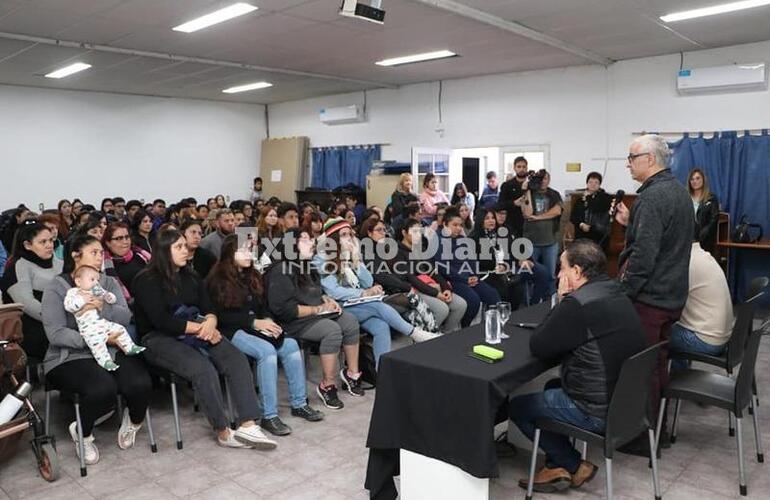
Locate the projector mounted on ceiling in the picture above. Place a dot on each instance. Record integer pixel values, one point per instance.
(368, 10)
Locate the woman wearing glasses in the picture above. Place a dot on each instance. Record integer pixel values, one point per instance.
(30, 268)
(122, 259)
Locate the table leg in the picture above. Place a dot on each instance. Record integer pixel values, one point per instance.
(424, 477)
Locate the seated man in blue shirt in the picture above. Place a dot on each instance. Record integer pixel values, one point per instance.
(591, 332)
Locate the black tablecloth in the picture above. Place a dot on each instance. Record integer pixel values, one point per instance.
(434, 399)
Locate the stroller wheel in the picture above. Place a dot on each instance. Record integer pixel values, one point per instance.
(48, 463)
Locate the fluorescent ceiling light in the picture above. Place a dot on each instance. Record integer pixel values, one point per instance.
(427, 56)
(714, 10)
(68, 70)
(249, 86)
(221, 15)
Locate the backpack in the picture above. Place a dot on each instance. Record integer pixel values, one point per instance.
(742, 233)
(366, 362)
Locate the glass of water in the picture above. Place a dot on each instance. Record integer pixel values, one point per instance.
(492, 326)
(504, 310)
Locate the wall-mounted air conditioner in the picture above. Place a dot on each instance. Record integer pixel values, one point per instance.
(342, 114)
(735, 78)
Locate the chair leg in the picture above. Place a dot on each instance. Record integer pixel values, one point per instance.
(119, 407)
(741, 467)
(230, 409)
(584, 450)
(81, 445)
(608, 466)
(731, 427)
(533, 464)
(757, 432)
(660, 423)
(175, 407)
(676, 420)
(654, 460)
(47, 412)
(148, 421)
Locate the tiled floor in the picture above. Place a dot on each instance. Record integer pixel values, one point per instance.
(327, 460)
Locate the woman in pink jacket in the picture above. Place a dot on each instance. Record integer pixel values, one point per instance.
(430, 197)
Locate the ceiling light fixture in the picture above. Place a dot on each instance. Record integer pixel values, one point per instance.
(68, 70)
(713, 10)
(219, 16)
(427, 56)
(247, 87)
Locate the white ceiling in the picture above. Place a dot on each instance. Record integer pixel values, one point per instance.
(332, 53)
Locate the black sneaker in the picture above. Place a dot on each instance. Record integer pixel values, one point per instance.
(350, 385)
(308, 413)
(329, 397)
(275, 426)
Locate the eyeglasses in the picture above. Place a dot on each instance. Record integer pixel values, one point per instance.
(125, 237)
(633, 157)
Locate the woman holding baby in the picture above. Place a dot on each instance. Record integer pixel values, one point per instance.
(69, 364)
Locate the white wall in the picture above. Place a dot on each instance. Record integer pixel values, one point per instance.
(585, 114)
(70, 144)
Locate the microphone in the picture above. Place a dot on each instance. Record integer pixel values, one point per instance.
(617, 199)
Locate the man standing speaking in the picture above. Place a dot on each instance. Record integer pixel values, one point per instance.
(653, 266)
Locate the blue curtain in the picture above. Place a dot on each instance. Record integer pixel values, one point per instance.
(737, 167)
(337, 166)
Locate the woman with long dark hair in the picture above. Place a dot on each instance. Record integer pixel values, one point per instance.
(31, 267)
(142, 234)
(176, 322)
(238, 294)
(296, 299)
(706, 207)
(461, 195)
(69, 364)
(459, 272)
(67, 218)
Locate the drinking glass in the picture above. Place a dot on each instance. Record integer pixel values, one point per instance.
(504, 309)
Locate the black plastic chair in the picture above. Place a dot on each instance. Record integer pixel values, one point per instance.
(627, 417)
(733, 395)
(48, 387)
(757, 287)
(733, 355)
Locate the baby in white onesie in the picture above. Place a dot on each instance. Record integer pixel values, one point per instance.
(93, 327)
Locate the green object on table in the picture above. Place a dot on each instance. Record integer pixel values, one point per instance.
(488, 352)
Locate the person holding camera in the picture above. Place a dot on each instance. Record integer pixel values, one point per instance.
(590, 215)
(541, 208)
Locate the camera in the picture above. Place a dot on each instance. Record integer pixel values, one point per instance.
(536, 179)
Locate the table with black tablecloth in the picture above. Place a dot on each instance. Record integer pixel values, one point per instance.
(434, 399)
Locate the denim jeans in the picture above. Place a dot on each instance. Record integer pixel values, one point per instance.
(682, 339)
(378, 318)
(474, 296)
(539, 278)
(553, 404)
(548, 256)
(267, 358)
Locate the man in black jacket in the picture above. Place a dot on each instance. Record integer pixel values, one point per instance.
(592, 331)
(654, 265)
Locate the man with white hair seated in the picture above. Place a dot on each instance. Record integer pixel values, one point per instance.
(653, 266)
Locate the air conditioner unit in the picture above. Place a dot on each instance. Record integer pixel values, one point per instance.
(735, 78)
(342, 114)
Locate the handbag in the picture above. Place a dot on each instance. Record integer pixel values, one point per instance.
(742, 232)
(398, 301)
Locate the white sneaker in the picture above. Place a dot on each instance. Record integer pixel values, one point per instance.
(127, 432)
(254, 437)
(230, 442)
(89, 448)
(420, 335)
